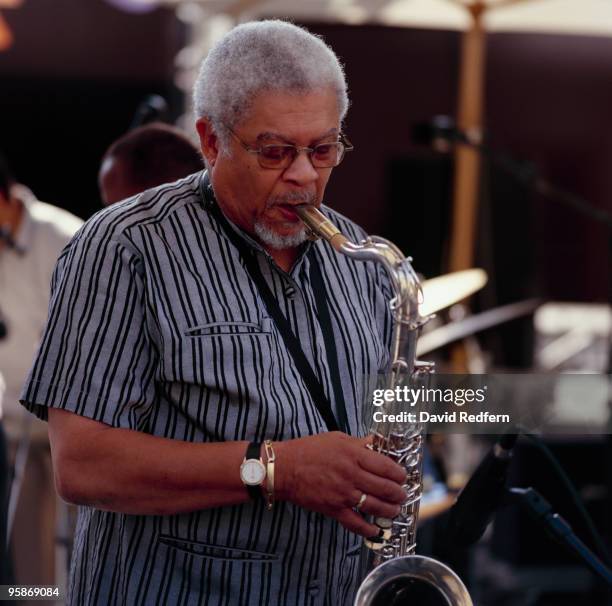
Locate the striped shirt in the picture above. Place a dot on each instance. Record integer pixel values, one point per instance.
(156, 326)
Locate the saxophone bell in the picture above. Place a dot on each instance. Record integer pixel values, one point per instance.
(412, 581)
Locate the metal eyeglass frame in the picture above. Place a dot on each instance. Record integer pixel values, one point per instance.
(347, 146)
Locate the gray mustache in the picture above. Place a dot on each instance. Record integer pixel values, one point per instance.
(291, 198)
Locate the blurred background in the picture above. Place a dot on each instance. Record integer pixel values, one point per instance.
(529, 82)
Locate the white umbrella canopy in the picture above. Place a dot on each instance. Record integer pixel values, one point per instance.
(584, 17)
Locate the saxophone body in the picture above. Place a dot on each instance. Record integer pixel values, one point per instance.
(395, 575)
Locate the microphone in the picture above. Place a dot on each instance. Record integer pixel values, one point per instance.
(439, 127)
(152, 108)
(441, 132)
(477, 502)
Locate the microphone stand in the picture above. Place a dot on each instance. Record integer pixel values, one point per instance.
(527, 174)
(442, 132)
(557, 528)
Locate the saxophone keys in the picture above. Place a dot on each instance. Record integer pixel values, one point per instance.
(374, 543)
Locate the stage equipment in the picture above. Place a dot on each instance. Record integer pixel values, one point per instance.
(482, 495)
(442, 134)
(398, 576)
(470, 325)
(487, 491)
(558, 529)
(151, 109)
(573, 337)
(444, 291)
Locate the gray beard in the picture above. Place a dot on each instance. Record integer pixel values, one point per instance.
(277, 242)
(274, 240)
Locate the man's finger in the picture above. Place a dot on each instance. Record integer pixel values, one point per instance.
(354, 522)
(384, 489)
(379, 508)
(381, 465)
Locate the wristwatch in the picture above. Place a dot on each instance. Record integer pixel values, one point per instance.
(253, 471)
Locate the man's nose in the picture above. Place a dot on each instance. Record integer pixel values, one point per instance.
(301, 169)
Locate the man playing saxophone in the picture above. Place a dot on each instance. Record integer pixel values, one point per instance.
(204, 365)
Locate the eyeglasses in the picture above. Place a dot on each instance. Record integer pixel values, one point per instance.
(323, 155)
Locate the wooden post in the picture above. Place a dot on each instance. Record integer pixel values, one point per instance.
(467, 161)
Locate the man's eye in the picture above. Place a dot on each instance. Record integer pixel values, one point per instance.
(275, 152)
(325, 151)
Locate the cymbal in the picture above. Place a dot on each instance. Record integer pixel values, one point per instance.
(472, 324)
(446, 290)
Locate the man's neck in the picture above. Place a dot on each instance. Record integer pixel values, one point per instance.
(284, 258)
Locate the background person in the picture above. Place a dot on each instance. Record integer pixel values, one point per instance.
(33, 235)
(146, 157)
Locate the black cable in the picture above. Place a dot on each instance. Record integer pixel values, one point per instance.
(556, 527)
(569, 486)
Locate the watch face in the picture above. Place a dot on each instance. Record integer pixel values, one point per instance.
(252, 472)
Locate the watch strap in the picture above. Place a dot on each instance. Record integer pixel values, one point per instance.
(253, 451)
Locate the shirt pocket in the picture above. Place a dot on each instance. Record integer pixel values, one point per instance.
(261, 328)
(217, 552)
(221, 377)
(226, 356)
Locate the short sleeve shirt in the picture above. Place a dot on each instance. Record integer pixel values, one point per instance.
(156, 326)
(25, 276)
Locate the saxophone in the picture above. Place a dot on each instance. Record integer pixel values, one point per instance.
(395, 575)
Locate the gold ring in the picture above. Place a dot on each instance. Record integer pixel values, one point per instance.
(362, 499)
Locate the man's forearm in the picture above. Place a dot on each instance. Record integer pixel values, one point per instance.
(133, 472)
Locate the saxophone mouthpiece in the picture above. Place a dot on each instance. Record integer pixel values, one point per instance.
(319, 225)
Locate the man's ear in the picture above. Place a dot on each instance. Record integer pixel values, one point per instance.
(209, 142)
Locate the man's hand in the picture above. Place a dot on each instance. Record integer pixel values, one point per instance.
(329, 472)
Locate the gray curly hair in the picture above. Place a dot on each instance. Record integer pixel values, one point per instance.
(259, 56)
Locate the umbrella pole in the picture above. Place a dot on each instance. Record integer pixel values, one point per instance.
(467, 161)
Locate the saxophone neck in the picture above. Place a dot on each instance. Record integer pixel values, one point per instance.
(404, 281)
(320, 226)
